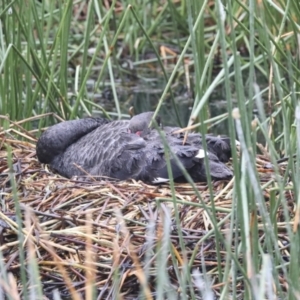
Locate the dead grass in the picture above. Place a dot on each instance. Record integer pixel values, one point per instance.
(83, 232)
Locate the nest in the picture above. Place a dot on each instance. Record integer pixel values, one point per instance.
(83, 233)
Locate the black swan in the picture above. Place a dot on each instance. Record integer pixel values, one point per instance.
(130, 149)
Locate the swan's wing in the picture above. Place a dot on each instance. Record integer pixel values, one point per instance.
(156, 169)
(220, 146)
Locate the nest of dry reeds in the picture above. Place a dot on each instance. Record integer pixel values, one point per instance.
(83, 232)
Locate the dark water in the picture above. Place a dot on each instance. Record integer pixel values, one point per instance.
(145, 96)
(142, 88)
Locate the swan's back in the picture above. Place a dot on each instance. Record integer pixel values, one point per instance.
(109, 150)
(57, 138)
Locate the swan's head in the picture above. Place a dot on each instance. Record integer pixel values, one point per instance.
(139, 124)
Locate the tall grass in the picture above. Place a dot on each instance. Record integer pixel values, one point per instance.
(48, 52)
